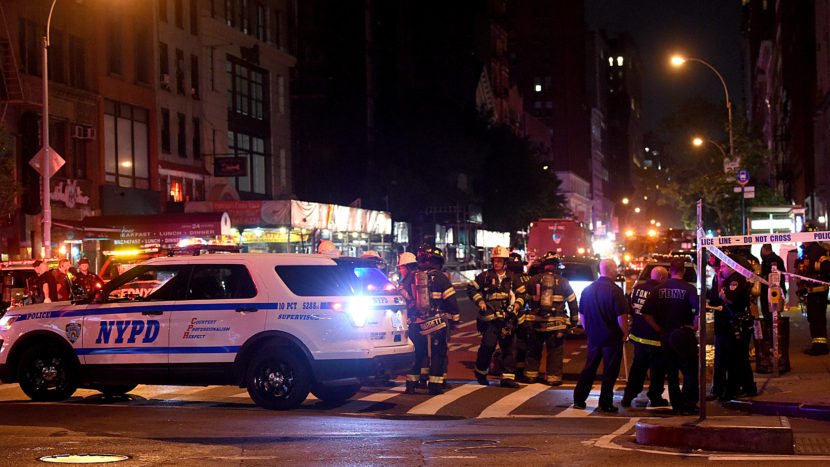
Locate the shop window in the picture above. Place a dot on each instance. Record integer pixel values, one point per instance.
(176, 192)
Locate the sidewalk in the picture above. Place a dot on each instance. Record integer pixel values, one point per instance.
(804, 391)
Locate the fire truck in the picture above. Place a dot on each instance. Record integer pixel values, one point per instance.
(565, 237)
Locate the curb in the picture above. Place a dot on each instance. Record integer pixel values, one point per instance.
(716, 434)
(787, 409)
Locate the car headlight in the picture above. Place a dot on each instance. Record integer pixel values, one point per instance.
(358, 310)
(6, 322)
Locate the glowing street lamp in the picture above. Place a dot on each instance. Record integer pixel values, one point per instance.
(629, 233)
(652, 233)
(680, 61)
(625, 201)
(637, 210)
(653, 221)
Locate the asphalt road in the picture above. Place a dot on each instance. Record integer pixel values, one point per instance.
(469, 425)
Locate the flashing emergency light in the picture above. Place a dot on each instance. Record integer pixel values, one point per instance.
(627, 258)
(581, 251)
(389, 287)
(652, 233)
(358, 310)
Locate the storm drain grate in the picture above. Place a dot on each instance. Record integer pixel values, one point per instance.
(812, 445)
(463, 442)
(494, 449)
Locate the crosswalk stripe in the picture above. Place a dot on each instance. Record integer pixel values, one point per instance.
(454, 347)
(367, 401)
(512, 401)
(462, 335)
(591, 404)
(436, 403)
(464, 325)
(474, 348)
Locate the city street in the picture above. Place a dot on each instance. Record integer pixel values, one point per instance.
(470, 424)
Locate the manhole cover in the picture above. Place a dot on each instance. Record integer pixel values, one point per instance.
(83, 458)
(463, 442)
(494, 449)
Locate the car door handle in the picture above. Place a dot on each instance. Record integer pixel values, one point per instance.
(247, 310)
(152, 313)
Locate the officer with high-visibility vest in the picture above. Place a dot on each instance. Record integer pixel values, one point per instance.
(648, 356)
(494, 293)
(548, 292)
(815, 264)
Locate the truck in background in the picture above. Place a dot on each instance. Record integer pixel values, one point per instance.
(565, 237)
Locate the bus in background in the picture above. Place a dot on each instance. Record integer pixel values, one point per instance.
(565, 237)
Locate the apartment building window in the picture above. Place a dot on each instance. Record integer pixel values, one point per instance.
(164, 66)
(182, 135)
(77, 59)
(162, 10)
(165, 131)
(230, 13)
(246, 93)
(281, 93)
(243, 16)
(30, 55)
(252, 149)
(283, 171)
(197, 139)
(178, 11)
(142, 53)
(260, 26)
(57, 63)
(194, 76)
(126, 142)
(115, 65)
(180, 71)
(194, 17)
(78, 158)
(277, 31)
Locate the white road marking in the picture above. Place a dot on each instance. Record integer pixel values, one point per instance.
(591, 403)
(512, 401)
(474, 348)
(464, 325)
(585, 346)
(575, 353)
(368, 400)
(566, 360)
(462, 335)
(436, 403)
(454, 347)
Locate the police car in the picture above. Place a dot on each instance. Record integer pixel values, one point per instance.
(280, 325)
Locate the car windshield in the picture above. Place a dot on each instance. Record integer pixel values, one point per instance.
(343, 279)
(578, 272)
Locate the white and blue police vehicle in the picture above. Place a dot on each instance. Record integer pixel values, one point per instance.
(280, 325)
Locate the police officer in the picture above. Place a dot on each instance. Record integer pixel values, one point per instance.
(87, 280)
(671, 309)
(814, 264)
(735, 295)
(517, 267)
(497, 317)
(435, 309)
(548, 292)
(648, 354)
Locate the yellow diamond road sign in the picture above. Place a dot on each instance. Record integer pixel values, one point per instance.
(55, 159)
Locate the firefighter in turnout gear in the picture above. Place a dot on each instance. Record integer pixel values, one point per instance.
(417, 377)
(494, 291)
(516, 266)
(815, 264)
(435, 309)
(548, 292)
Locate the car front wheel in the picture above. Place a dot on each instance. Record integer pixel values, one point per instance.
(335, 393)
(277, 379)
(47, 373)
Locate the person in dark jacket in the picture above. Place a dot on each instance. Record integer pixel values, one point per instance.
(603, 312)
(672, 310)
(648, 354)
(735, 295)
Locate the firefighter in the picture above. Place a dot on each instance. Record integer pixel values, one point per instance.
(417, 377)
(548, 292)
(493, 291)
(87, 280)
(517, 267)
(815, 264)
(435, 310)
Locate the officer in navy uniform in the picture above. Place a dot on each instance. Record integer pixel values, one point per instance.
(548, 292)
(436, 308)
(648, 354)
(492, 291)
(87, 280)
(814, 264)
(735, 295)
(672, 310)
(517, 267)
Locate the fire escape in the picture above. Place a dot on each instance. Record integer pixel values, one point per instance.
(11, 89)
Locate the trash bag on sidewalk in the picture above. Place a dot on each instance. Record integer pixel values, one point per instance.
(763, 347)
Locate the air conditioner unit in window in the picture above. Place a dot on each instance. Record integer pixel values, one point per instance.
(165, 81)
(83, 132)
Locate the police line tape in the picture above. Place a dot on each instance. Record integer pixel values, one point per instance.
(751, 275)
(762, 238)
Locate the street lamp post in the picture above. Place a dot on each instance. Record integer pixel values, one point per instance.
(678, 61)
(46, 168)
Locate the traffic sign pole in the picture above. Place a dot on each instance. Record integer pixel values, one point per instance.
(743, 179)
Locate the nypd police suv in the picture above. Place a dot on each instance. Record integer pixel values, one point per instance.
(280, 325)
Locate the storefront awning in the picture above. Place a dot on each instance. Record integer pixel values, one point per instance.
(160, 228)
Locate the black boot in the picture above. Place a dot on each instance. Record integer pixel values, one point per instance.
(509, 383)
(482, 379)
(410, 387)
(816, 349)
(435, 389)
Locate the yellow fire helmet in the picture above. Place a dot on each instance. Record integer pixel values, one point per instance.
(500, 252)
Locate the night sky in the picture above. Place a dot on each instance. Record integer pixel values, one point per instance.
(706, 29)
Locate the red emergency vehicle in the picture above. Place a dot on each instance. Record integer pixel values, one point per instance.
(565, 237)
